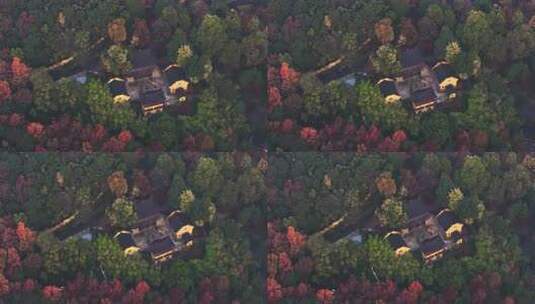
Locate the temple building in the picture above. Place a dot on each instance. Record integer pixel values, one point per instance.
(157, 234)
(427, 234)
(150, 88)
(422, 88)
(146, 84)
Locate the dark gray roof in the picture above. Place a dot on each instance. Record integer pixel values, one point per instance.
(388, 87)
(117, 87)
(125, 239)
(152, 98)
(432, 245)
(423, 96)
(443, 71)
(174, 73)
(177, 220)
(160, 246)
(446, 218)
(411, 57)
(395, 240)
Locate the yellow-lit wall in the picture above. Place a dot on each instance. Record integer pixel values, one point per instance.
(177, 85)
(450, 81)
(402, 250)
(457, 227)
(121, 99)
(393, 98)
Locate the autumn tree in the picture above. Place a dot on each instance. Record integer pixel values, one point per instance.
(325, 296)
(20, 72)
(4, 285)
(5, 91)
(52, 293)
(274, 290)
(117, 183)
(386, 184)
(117, 30)
(384, 31)
(274, 98)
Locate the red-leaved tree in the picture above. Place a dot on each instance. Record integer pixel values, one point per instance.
(5, 91)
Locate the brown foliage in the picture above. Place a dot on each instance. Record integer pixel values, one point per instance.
(5, 91)
(117, 30)
(384, 31)
(386, 184)
(117, 183)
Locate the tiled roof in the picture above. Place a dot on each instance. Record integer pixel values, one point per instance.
(442, 71)
(432, 245)
(152, 98)
(446, 218)
(395, 240)
(125, 239)
(117, 87)
(176, 220)
(423, 97)
(387, 87)
(160, 246)
(174, 73)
